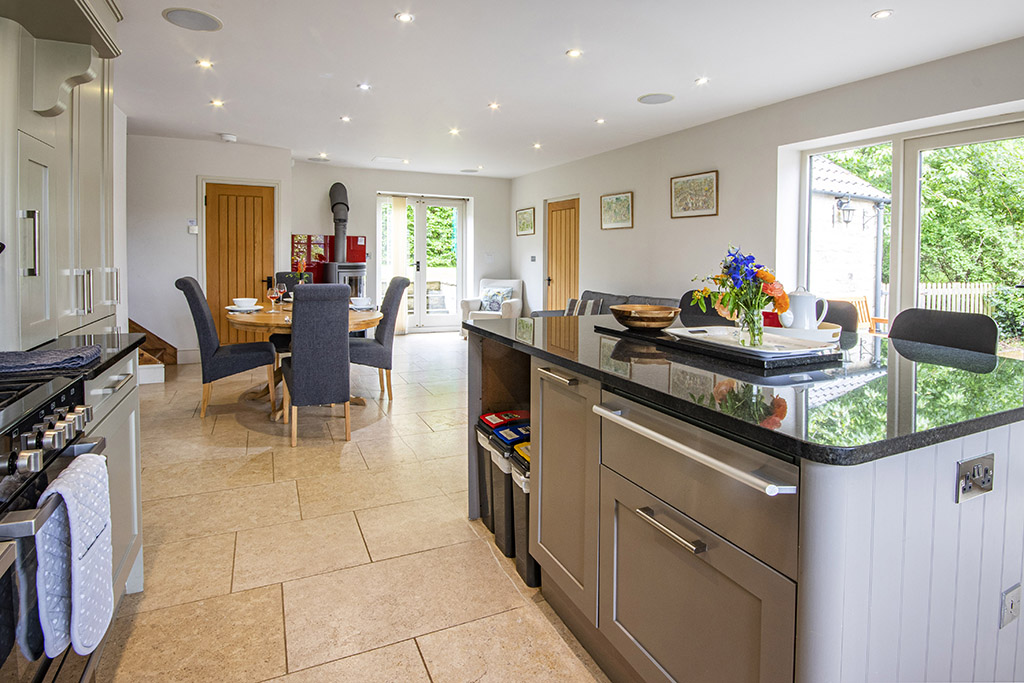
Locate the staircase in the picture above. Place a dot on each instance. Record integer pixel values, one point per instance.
(154, 354)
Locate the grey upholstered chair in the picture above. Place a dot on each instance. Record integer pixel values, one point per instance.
(842, 313)
(967, 331)
(377, 352)
(290, 279)
(317, 372)
(222, 361)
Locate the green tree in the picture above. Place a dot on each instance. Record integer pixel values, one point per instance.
(442, 231)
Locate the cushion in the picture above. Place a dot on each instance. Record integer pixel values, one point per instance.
(491, 298)
(583, 306)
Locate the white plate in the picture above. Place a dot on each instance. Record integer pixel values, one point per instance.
(239, 309)
(774, 346)
(826, 332)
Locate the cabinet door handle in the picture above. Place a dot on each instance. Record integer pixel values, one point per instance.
(763, 485)
(117, 285)
(116, 387)
(78, 273)
(695, 547)
(34, 215)
(88, 274)
(567, 381)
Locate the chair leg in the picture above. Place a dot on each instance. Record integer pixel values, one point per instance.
(286, 403)
(389, 384)
(380, 376)
(271, 388)
(348, 422)
(295, 425)
(207, 389)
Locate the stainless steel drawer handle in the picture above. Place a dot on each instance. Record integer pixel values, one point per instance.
(763, 485)
(8, 553)
(34, 215)
(695, 547)
(567, 381)
(25, 523)
(116, 387)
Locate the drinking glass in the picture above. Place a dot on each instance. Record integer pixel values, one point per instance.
(282, 289)
(273, 295)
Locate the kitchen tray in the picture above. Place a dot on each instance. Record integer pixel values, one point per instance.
(769, 360)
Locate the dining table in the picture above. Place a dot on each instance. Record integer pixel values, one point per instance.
(280, 322)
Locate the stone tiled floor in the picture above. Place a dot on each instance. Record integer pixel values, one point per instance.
(333, 561)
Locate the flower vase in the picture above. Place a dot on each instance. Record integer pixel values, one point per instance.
(750, 330)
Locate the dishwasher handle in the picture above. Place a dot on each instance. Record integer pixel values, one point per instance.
(561, 379)
(763, 485)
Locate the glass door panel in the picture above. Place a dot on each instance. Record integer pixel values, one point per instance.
(441, 272)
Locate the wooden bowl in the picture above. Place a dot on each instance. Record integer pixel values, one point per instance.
(645, 316)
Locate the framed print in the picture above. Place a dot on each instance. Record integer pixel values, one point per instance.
(617, 211)
(524, 222)
(695, 195)
(524, 330)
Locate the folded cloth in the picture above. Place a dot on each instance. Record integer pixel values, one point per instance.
(55, 359)
(73, 547)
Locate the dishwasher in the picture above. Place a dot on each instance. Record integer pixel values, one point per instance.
(698, 550)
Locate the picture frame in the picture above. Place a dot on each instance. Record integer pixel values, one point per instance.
(524, 330)
(617, 211)
(694, 195)
(525, 224)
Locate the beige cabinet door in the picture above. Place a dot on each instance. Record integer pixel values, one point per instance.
(35, 246)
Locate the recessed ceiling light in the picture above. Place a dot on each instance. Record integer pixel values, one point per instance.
(536, 145)
(319, 160)
(405, 161)
(882, 14)
(468, 170)
(494, 106)
(229, 137)
(479, 168)
(346, 119)
(364, 86)
(454, 131)
(204, 63)
(701, 80)
(598, 121)
(217, 103)
(192, 19)
(323, 155)
(574, 52)
(655, 98)
(404, 17)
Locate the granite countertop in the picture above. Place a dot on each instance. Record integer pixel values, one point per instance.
(113, 348)
(884, 397)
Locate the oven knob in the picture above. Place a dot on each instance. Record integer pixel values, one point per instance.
(29, 461)
(77, 420)
(30, 439)
(85, 410)
(61, 412)
(53, 440)
(66, 427)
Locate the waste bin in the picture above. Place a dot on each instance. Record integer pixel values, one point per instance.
(526, 566)
(503, 440)
(484, 485)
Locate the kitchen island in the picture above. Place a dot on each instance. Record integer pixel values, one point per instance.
(703, 520)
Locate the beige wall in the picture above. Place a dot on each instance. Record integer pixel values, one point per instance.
(757, 154)
(162, 195)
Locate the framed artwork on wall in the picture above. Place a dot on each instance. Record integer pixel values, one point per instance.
(695, 195)
(524, 222)
(617, 211)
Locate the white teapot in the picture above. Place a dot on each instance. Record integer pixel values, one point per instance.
(802, 313)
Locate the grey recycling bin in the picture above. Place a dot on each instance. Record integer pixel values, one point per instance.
(484, 485)
(501, 485)
(526, 566)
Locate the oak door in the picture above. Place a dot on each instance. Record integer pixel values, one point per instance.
(239, 251)
(563, 252)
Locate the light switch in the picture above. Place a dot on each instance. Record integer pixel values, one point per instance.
(193, 227)
(533, 259)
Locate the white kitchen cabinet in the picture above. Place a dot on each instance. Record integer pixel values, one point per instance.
(34, 245)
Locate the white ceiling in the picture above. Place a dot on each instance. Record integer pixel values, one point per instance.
(287, 70)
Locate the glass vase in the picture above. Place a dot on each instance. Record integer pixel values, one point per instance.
(750, 327)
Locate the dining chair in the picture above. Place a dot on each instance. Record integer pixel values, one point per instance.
(222, 360)
(840, 312)
(317, 372)
(291, 278)
(966, 331)
(377, 352)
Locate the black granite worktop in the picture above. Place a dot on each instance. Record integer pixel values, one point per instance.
(113, 349)
(884, 397)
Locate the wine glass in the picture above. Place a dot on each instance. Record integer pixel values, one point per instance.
(273, 295)
(282, 289)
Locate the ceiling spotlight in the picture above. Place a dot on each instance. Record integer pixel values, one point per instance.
(454, 131)
(192, 19)
(404, 17)
(363, 86)
(882, 14)
(323, 155)
(405, 161)
(479, 168)
(574, 52)
(346, 119)
(702, 80)
(493, 106)
(536, 145)
(229, 137)
(217, 103)
(599, 121)
(655, 98)
(204, 63)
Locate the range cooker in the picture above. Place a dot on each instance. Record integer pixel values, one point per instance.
(42, 429)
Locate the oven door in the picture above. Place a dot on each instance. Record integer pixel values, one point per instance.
(20, 635)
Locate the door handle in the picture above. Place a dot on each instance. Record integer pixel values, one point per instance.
(34, 215)
(269, 281)
(417, 266)
(549, 282)
(696, 547)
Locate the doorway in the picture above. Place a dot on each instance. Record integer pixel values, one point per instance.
(563, 252)
(239, 250)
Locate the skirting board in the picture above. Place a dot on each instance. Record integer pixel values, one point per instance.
(188, 356)
(151, 374)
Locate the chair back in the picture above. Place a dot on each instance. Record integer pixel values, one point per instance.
(967, 331)
(320, 359)
(206, 331)
(843, 313)
(516, 285)
(384, 334)
(688, 309)
(290, 279)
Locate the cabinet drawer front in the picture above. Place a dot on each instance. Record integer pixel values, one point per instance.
(761, 524)
(682, 604)
(107, 390)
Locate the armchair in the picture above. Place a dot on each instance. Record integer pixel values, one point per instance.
(510, 308)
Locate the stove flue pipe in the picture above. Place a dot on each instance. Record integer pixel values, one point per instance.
(339, 207)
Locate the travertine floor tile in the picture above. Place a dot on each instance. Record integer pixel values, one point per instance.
(206, 514)
(410, 527)
(454, 386)
(450, 474)
(369, 428)
(313, 432)
(396, 663)
(237, 637)
(332, 494)
(296, 463)
(175, 450)
(444, 444)
(518, 645)
(386, 452)
(440, 420)
(182, 572)
(294, 550)
(409, 424)
(427, 376)
(166, 481)
(353, 610)
(422, 404)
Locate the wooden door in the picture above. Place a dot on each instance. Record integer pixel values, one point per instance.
(563, 252)
(239, 251)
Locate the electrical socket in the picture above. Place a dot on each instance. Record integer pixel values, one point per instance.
(975, 476)
(1011, 606)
